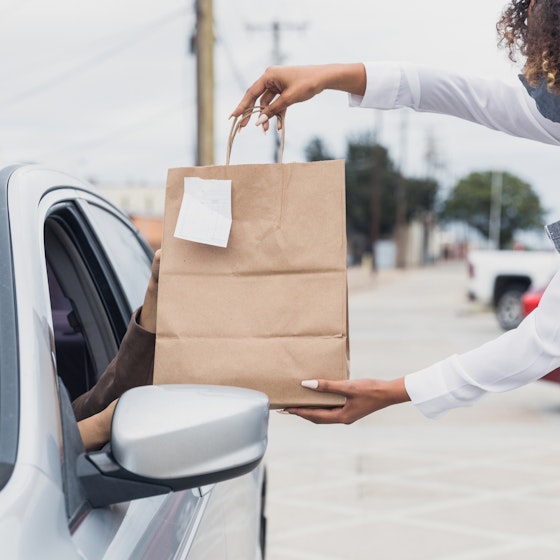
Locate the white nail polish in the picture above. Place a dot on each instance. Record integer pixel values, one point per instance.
(282, 411)
(310, 384)
(262, 119)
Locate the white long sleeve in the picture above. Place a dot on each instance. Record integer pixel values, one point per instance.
(531, 350)
(515, 358)
(493, 103)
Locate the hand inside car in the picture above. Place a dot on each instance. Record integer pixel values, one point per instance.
(96, 429)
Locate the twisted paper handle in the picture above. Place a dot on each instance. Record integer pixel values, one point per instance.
(235, 128)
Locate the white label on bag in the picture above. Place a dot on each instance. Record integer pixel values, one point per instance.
(205, 213)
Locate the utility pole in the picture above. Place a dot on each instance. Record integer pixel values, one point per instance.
(401, 228)
(377, 178)
(496, 209)
(276, 56)
(204, 47)
(432, 164)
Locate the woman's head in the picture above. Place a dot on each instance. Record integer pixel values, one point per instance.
(532, 29)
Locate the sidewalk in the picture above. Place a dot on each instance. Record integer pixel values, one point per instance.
(480, 483)
(363, 278)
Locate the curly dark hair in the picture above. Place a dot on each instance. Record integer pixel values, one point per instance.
(532, 29)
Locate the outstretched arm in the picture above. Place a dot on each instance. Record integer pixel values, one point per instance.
(493, 103)
(514, 359)
(282, 86)
(363, 396)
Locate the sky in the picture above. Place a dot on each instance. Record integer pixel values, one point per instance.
(106, 89)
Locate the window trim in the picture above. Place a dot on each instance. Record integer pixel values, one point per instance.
(9, 343)
(80, 233)
(84, 206)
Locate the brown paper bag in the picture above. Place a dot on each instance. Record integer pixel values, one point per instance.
(270, 309)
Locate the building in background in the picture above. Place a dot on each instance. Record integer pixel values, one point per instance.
(144, 205)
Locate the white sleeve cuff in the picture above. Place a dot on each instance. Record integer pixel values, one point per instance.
(434, 391)
(382, 86)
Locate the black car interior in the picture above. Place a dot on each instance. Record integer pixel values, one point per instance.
(84, 339)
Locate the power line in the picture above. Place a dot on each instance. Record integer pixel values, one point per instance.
(237, 75)
(122, 131)
(276, 27)
(57, 58)
(88, 63)
(15, 7)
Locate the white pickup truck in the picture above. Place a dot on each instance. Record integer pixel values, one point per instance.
(499, 279)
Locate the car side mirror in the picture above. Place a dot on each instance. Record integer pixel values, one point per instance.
(173, 437)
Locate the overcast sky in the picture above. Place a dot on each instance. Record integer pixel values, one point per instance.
(106, 89)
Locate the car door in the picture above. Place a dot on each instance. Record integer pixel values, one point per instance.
(225, 517)
(72, 292)
(118, 263)
(73, 268)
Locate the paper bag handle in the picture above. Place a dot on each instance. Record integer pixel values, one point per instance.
(235, 128)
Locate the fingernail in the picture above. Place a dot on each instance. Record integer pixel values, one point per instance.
(262, 119)
(282, 411)
(310, 384)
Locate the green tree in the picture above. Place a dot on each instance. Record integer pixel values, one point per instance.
(317, 151)
(368, 164)
(471, 199)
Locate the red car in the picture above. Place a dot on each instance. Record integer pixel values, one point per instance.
(529, 301)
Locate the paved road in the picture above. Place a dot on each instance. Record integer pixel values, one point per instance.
(480, 483)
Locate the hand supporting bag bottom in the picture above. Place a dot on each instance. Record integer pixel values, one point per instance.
(270, 309)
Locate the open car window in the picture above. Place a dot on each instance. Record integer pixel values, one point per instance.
(98, 269)
(130, 257)
(85, 336)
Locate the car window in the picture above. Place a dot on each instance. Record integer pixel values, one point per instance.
(74, 360)
(130, 257)
(97, 270)
(85, 336)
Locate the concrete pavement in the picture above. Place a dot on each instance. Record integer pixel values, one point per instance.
(480, 483)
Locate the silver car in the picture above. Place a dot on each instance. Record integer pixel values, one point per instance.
(182, 477)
